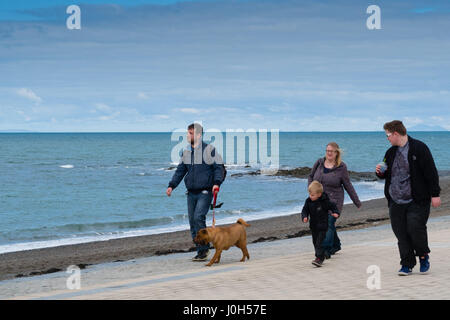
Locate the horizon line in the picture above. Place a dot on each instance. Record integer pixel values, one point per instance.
(312, 131)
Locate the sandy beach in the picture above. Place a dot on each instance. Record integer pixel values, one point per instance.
(49, 260)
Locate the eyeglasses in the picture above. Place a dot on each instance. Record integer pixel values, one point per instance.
(388, 135)
(331, 151)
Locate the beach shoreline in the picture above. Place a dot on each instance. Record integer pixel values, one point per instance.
(53, 259)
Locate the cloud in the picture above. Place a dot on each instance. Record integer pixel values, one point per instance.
(29, 94)
(142, 96)
(106, 112)
(161, 116)
(109, 117)
(25, 117)
(103, 108)
(412, 121)
(190, 110)
(256, 116)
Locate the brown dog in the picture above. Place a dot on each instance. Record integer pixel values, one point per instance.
(223, 238)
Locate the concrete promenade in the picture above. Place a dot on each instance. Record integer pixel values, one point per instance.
(366, 268)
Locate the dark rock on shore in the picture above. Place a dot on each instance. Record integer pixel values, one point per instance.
(303, 173)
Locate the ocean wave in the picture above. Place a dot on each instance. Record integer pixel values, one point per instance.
(87, 229)
(233, 212)
(143, 174)
(376, 185)
(67, 166)
(30, 245)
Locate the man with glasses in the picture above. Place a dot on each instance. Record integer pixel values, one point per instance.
(411, 183)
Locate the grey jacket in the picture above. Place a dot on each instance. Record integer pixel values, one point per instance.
(334, 183)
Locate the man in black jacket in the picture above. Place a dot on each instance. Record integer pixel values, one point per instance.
(411, 183)
(202, 169)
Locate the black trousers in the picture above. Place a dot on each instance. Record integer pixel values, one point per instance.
(409, 223)
(318, 237)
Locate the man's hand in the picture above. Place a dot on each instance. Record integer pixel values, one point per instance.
(169, 191)
(436, 202)
(335, 215)
(305, 220)
(378, 169)
(215, 187)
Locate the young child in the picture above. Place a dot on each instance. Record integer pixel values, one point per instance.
(315, 211)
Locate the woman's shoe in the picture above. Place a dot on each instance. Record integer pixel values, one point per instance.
(404, 271)
(333, 251)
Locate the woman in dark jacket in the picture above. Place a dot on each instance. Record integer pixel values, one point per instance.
(332, 173)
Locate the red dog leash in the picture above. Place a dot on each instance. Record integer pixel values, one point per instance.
(214, 207)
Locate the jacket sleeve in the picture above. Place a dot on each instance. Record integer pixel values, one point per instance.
(218, 168)
(430, 172)
(305, 210)
(313, 171)
(349, 187)
(178, 175)
(332, 206)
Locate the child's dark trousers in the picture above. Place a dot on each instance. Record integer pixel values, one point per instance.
(318, 237)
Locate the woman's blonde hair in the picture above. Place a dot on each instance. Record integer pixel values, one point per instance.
(315, 187)
(338, 152)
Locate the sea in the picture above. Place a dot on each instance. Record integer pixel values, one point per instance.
(67, 188)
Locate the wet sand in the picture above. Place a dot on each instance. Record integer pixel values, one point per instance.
(48, 260)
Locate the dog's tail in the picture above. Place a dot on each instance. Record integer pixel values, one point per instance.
(242, 222)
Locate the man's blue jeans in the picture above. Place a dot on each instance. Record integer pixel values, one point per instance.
(198, 206)
(331, 244)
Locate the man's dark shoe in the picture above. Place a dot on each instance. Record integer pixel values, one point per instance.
(201, 256)
(424, 264)
(404, 271)
(327, 255)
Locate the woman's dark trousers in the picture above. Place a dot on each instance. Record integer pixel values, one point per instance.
(331, 244)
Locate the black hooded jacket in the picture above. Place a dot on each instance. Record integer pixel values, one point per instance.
(317, 212)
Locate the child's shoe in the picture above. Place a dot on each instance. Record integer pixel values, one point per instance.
(317, 262)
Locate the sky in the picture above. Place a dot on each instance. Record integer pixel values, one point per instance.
(145, 66)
